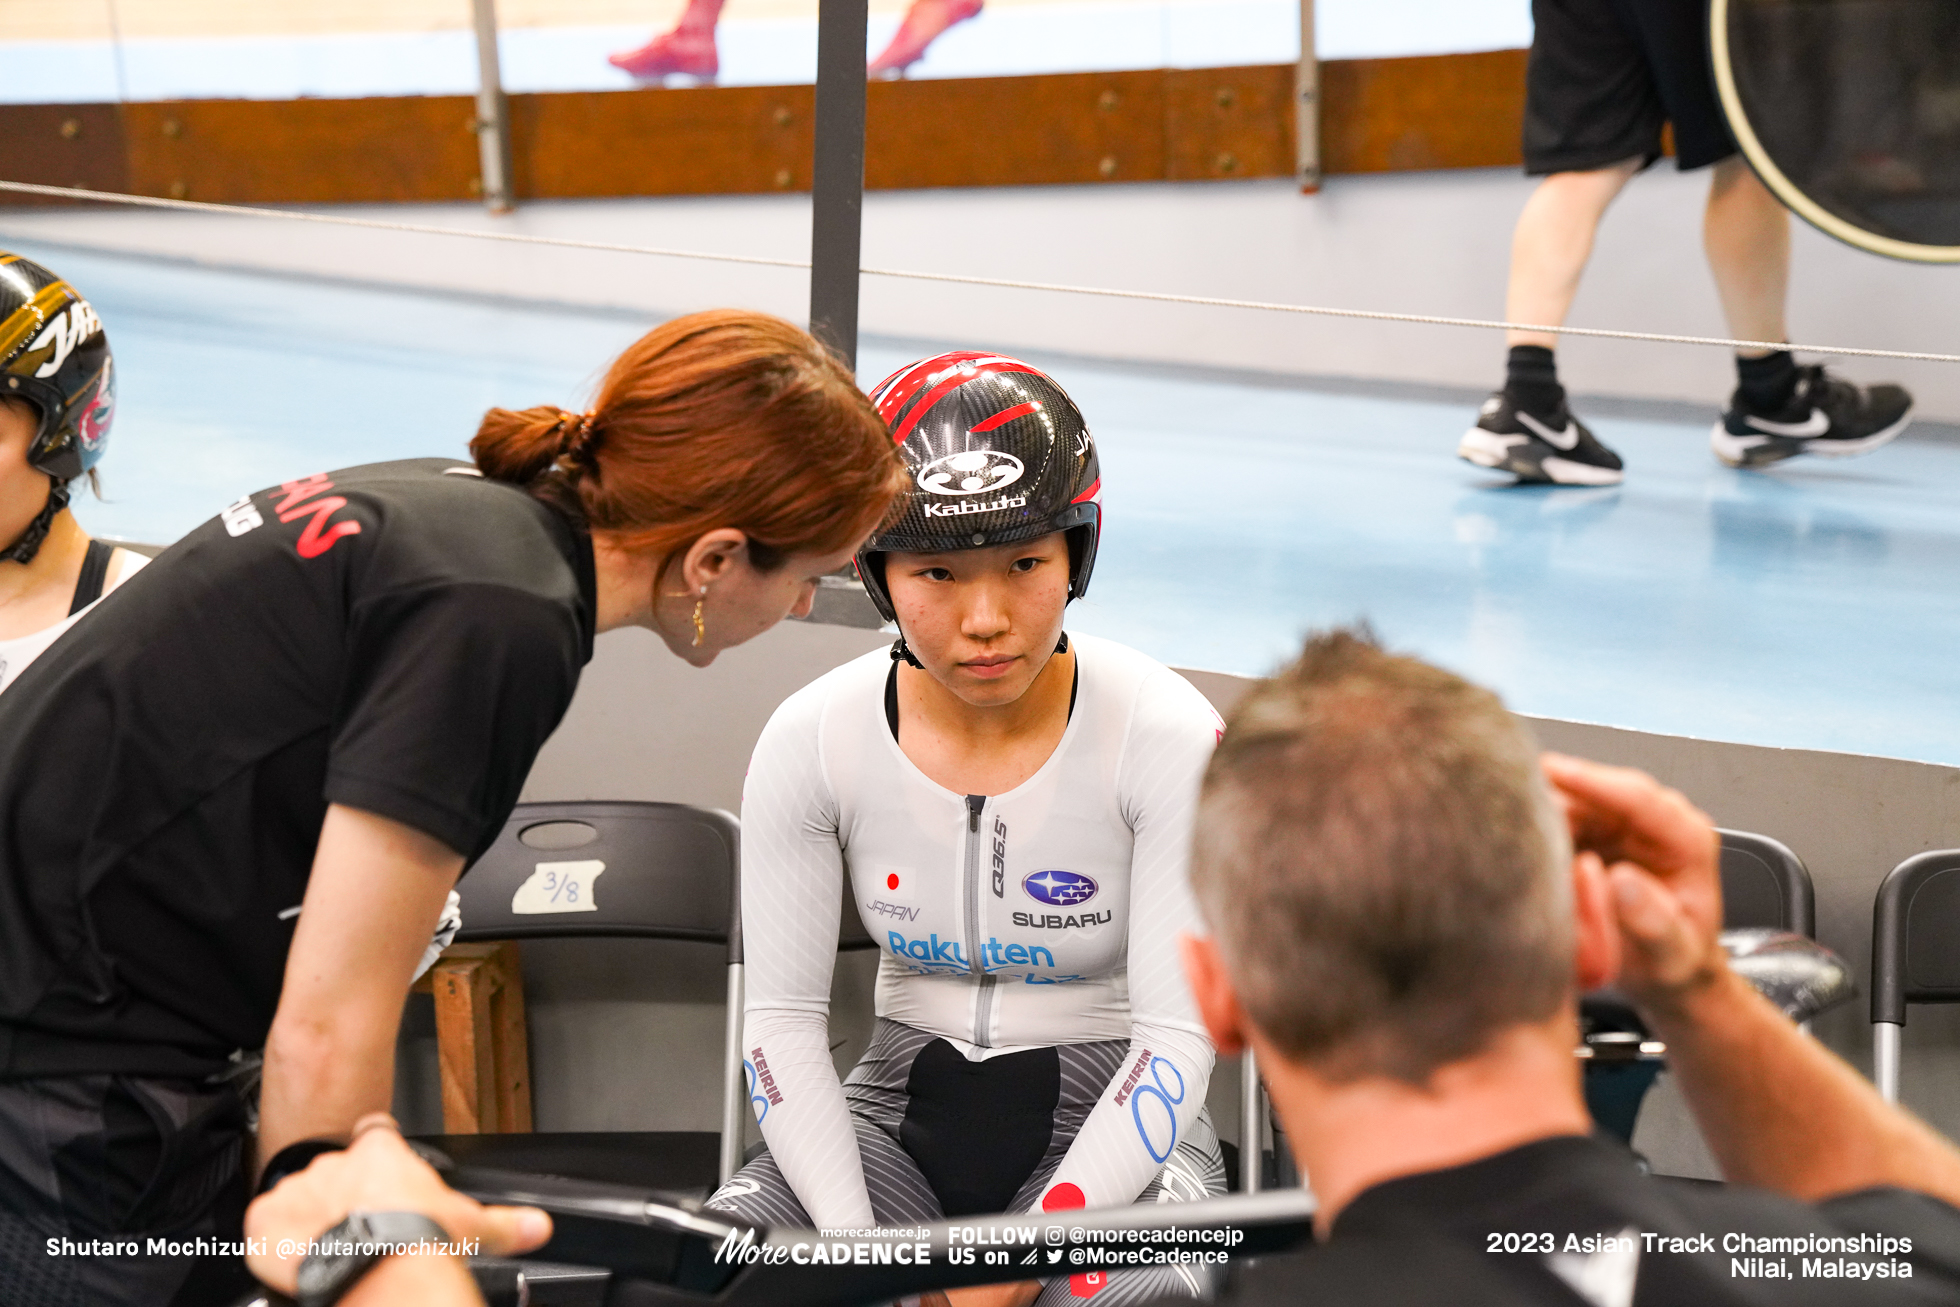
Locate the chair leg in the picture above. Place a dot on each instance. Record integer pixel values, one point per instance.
(463, 987)
(484, 1048)
(1252, 1121)
(511, 1039)
(1885, 1059)
(735, 1092)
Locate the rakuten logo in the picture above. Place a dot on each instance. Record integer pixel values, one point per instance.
(935, 951)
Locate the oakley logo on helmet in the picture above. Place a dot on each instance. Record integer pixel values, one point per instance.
(973, 472)
(69, 328)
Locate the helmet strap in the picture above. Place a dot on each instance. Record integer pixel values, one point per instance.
(23, 549)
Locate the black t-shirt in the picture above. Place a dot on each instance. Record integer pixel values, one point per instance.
(1477, 1236)
(399, 638)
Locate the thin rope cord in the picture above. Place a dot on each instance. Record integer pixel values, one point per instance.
(1157, 297)
(337, 220)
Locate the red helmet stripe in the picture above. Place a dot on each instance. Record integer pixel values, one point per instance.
(958, 376)
(890, 394)
(1005, 416)
(1088, 494)
(884, 395)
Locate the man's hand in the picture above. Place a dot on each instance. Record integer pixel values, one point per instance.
(1662, 859)
(377, 1173)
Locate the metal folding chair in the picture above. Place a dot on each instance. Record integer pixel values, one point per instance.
(664, 871)
(1915, 952)
(1765, 884)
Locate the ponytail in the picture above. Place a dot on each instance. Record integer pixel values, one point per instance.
(521, 446)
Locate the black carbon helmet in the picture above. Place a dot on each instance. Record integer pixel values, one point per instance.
(997, 452)
(54, 354)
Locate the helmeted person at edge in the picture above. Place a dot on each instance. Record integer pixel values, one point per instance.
(57, 401)
(234, 799)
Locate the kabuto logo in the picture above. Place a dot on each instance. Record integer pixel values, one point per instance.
(1059, 889)
(971, 472)
(965, 506)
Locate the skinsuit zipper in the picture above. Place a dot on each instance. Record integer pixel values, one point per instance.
(983, 1020)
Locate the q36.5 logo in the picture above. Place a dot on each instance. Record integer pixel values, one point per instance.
(1059, 889)
(973, 472)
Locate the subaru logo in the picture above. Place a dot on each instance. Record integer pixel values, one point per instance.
(1059, 889)
(973, 472)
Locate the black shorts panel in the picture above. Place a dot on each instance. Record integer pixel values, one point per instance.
(107, 1162)
(1603, 77)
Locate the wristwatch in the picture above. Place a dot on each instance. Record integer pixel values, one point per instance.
(351, 1249)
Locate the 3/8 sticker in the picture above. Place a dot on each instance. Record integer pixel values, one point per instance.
(558, 887)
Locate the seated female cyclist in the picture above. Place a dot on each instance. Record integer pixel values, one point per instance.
(57, 396)
(1013, 808)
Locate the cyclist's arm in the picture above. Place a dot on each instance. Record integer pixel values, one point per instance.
(792, 868)
(1157, 1092)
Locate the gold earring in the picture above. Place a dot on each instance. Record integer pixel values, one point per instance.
(700, 625)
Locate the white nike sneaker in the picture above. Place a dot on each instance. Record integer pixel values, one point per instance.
(1826, 415)
(1554, 450)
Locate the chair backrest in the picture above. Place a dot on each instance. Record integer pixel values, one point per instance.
(1916, 935)
(651, 870)
(1765, 884)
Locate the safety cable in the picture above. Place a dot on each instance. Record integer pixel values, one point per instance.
(1158, 297)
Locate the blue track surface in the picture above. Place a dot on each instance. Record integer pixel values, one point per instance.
(1811, 607)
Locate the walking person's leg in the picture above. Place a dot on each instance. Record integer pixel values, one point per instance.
(1592, 121)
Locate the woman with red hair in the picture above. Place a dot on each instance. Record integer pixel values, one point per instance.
(234, 801)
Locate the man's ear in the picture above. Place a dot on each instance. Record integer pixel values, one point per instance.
(1218, 1002)
(1596, 955)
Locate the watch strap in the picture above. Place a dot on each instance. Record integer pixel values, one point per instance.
(352, 1248)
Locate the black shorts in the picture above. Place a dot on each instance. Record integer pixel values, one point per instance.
(93, 1167)
(1605, 75)
(938, 1140)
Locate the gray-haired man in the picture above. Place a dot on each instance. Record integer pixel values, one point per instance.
(1401, 929)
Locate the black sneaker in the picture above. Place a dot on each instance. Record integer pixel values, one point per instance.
(1826, 415)
(1560, 451)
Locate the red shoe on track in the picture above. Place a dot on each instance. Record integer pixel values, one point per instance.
(688, 53)
(924, 22)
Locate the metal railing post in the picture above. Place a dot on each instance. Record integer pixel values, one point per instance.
(1306, 105)
(492, 119)
(837, 183)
